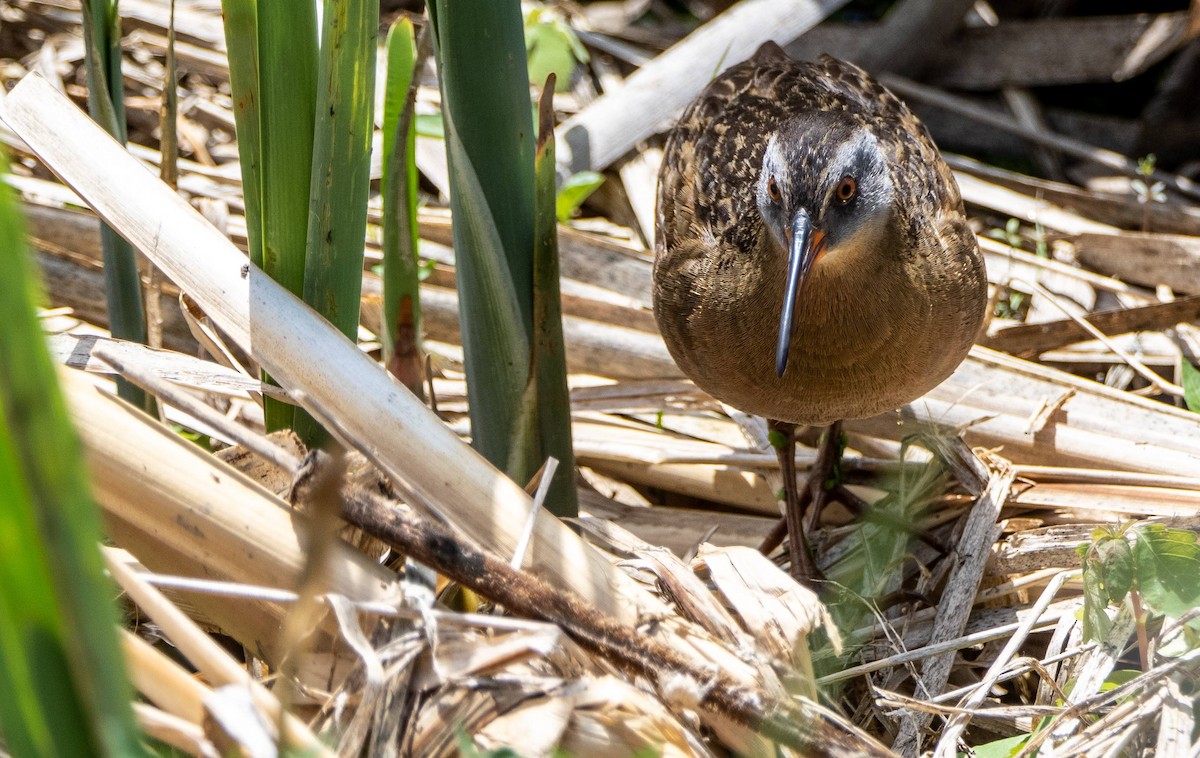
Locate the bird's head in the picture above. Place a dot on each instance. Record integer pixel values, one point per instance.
(824, 192)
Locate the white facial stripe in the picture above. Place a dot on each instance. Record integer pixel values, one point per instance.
(773, 161)
(878, 185)
(848, 150)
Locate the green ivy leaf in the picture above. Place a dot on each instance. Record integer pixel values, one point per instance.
(1168, 569)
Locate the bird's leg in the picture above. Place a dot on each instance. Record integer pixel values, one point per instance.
(795, 501)
(774, 537)
(824, 470)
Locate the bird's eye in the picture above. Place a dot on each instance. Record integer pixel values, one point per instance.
(773, 190)
(846, 190)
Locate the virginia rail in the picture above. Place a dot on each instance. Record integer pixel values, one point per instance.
(813, 261)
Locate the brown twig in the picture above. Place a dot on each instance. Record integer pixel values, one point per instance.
(801, 725)
(1050, 335)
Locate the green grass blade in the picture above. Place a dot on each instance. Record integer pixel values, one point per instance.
(401, 299)
(61, 670)
(485, 84)
(287, 46)
(548, 356)
(341, 169)
(480, 48)
(496, 344)
(168, 169)
(122, 280)
(341, 162)
(241, 40)
(401, 60)
(102, 55)
(287, 75)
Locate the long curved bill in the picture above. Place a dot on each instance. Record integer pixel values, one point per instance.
(805, 246)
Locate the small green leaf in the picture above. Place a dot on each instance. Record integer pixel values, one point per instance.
(466, 746)
(430, 125)
(196, 438)
(1167, 569)
(1115, 562)
(425, 267)
(777, 439)
(1002, 748)
(1146, 165)
(1191, 385)
(1117, 678)
(551, 47)
(1095, 599)
(575, 191)
(549, 54)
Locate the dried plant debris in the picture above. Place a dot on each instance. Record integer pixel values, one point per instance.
(1010, 562)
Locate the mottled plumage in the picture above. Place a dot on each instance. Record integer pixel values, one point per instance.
(893, 302)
